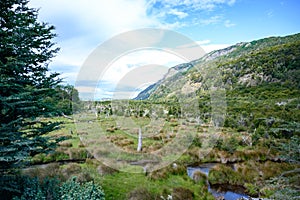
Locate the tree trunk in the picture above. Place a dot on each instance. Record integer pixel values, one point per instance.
(139, 148)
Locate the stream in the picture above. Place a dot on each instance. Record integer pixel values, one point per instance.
(228, 193)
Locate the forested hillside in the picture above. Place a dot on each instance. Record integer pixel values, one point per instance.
(261, 79)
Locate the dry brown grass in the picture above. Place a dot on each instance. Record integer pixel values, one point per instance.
(159, 174)
(141, 194)
(65, 144)
(73, 169)
(43, 171)
(180, 193)
(105, 170)
(125, 142)
(199, 177)
(78, 154)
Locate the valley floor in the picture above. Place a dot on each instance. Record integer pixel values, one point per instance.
(103, 149)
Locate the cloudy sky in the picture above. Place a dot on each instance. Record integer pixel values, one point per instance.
(84, 25)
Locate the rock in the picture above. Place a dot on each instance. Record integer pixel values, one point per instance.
(224, 160)
(174, 165)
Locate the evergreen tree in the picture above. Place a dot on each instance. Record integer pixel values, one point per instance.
(25, 52)
(67, 99)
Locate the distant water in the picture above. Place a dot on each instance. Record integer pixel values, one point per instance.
(227, 194)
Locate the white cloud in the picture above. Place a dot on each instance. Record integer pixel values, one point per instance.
(104, 17)
(131, 72)
(202, 42)
(211, 20)
(83, 25)
(228, 24)
(208, 47)
(194, 4)
(177, 13)
(211, 47)
(186, 11)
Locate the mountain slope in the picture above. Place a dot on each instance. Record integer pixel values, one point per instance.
(267, 60)
(261, 79)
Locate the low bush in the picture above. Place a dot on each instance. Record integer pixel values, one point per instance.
(34, 189)
(74, 190)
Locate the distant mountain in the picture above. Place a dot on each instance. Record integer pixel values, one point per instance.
(261, 80)
(178, 69)
(274, 59)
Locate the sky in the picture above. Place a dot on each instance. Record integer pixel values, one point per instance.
(84, 25)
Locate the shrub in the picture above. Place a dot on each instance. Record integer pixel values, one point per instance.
(230, 145)
(197, 142)
(33, 189)
(74, 190)
(252, 189)
(290, 151)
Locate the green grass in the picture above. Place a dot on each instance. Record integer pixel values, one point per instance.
(118, 185)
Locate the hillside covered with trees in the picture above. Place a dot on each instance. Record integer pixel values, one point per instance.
(261, 79)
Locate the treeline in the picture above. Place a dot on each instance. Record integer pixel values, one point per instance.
(64, 101)
(29, 94)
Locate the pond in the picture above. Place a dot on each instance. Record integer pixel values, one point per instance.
(227, 192)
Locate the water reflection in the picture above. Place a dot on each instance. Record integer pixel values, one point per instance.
(228, 192)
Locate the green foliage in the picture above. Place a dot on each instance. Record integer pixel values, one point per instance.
(34, 189)
(285, 186)
(252, 189)
(224, 175)
(227, 144)
(51, 189)
(26, 49)
(65, 101)
(261, 79)
(86, 191)
(290, 151)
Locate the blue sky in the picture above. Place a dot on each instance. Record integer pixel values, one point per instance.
(82, 25)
